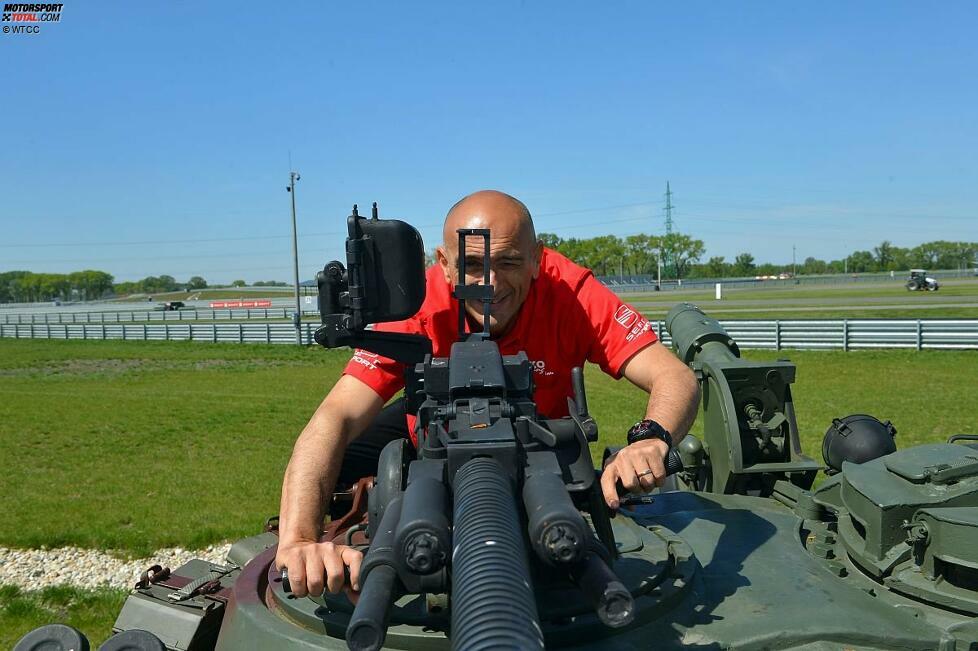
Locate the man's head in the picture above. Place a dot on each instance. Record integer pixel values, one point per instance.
(514, 253)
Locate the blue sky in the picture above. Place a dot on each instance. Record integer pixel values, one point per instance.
(153, 137)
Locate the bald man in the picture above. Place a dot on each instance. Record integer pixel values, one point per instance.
(543, 304)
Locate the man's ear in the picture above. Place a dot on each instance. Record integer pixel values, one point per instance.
(538, 257)
(446, 264)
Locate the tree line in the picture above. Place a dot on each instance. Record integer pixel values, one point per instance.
(27, 287)
(682, 257)
(606, 255)
(90, 284)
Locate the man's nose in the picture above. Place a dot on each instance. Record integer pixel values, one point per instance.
(492, 277)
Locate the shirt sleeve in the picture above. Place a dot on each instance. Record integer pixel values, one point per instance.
(619, 330)
(382, 374)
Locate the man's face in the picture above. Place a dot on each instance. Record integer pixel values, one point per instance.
(514, 262)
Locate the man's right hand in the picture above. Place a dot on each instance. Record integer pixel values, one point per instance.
(314, 566)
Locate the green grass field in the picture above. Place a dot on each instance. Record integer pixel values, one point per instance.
(91, 611)
(217, 293)
(133, 446)
(928, 312)
(955, 287)
(138, 445)
(957, 299)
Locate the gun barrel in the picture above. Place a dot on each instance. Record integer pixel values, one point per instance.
(493, 606)
(697, 336)
(367, 629)
(556, 529)
(423, 540)
(612, 602)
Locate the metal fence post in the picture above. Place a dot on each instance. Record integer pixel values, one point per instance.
(47, 327)
(103, 331)
(920, 336)
(845, 335)
(240, 334)
(268, 333)
(777, 334)
(145, 336)
(658, 329)
(214, 332)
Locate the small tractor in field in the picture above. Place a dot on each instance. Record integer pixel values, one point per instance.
(919, 281)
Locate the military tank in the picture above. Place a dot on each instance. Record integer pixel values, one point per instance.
(493, 534)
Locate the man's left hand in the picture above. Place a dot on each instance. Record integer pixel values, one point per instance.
(640, 467)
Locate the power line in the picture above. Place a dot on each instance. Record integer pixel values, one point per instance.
(668, 209)
(282, 237)
(538, 217)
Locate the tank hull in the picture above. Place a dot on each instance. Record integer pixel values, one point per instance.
(708, 571)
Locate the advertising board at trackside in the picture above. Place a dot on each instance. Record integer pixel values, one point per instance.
(231, 304)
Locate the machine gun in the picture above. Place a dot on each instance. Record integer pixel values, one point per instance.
(491, 474)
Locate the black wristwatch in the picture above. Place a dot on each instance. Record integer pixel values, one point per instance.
(649, 429)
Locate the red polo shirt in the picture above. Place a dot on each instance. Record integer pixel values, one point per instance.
(568, 318)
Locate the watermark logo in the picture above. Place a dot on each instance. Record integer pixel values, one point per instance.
(20, 18)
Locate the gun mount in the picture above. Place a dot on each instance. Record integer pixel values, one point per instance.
(752, 438)
(492, 535)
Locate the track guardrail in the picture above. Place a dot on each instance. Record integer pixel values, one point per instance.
(139, 316)
(815, 334)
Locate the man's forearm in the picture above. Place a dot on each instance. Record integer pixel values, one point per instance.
(308, 484)
(318, 456)
(674, 402)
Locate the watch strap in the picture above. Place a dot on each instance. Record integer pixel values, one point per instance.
(649, 429)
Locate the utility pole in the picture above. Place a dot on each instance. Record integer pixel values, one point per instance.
(297, 317)
(658, 277)
(794, 266)
(668, 213)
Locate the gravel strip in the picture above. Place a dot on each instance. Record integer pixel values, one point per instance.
(33, 569)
